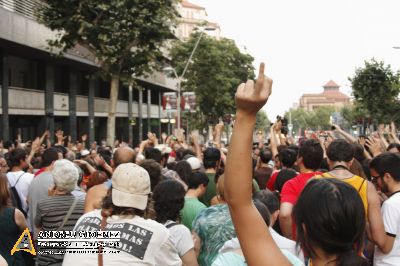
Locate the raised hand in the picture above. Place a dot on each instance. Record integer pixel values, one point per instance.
(252, 96)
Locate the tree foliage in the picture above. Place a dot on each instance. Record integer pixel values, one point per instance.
(125, 36)
(376, 88)
(217, 68)
(318, 119)
(262, 121)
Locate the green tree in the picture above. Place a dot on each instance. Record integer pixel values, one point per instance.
(318, 119)
(376, 88)
(262, 121)
(125, 36)
(217, 68)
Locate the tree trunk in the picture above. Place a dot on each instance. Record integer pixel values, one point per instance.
(112, 110)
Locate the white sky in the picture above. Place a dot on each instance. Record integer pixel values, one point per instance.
(306, 43)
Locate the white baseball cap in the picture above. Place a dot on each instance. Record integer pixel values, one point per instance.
(194, 162)
(130, 186)
(85, 153)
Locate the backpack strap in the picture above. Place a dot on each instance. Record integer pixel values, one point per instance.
(18, 179)
(359, 189)
(71, 209)
(171, 224)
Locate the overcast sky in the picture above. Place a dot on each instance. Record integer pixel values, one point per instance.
(306, 43)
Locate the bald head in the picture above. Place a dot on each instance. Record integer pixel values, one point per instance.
(123, 155)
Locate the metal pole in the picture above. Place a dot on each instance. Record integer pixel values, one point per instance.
(140, 105)
(178, 107)
(187, 126)
(191, 55)
(130, 129)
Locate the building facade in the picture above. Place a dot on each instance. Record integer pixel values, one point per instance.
(331, 96)
(193, 16)
(40, 91)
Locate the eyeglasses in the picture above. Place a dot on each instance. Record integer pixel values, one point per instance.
(374, 179)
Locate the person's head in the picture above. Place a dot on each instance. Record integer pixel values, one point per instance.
(169, 199)
(65, 175)
(359, 152)
(9, 145)
(357, 169)
(184, 170)
(211, 158)
(3, 165)
(49, 156)
(283, 176)
(288, 157)
(385, 170)
(123, 155)
(198, 181)
(130, 191)
(62, 150)
(330, 218)
(195, 163)
(17, 158)
(263, 210)
(393, 148)
(153, 153)
(5, 195)
(310, 155)
(271, 201)
(340, 151)
(265, 155)
(96, 178)
(154, 170)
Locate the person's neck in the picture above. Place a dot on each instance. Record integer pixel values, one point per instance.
(61, 193)
(323, 259)
(192, 193)
(304, 170)
(395, 188)
(16, 169)
(264, 165)
(211, 170)
(48, 168)
(340, 170)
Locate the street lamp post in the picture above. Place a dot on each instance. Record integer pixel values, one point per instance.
(180, 78)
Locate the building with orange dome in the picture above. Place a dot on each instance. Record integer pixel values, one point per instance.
(331, 96)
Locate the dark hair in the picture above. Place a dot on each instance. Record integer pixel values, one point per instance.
(269, 199)
(154, 170)
(5, 195)
(393, 145)
(15, 156)
(169, 199)
(263, 210)
(184, 170)
(49, 156)
(387, 163)
(288, 157)
(197, 179)
(111, 209)
(329, 214)
(61, 149)
(153, 153)
(8, 144)
(211, 157)
(294, 147)
(359, 152)
(340, 151)
(312, 154)
(283, 176)
(265, 155)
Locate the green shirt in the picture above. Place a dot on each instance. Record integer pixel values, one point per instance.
(211, 191)
(190, 210)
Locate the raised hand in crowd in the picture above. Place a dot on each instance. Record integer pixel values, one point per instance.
(251, 229)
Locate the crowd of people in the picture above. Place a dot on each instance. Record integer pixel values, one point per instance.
(324, 200)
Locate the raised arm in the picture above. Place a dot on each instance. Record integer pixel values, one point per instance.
(346, 135)
(253, 233)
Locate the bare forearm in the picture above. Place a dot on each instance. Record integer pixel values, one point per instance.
(347, 136)
(238, 183)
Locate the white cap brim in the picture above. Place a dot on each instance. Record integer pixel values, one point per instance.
(125, 199)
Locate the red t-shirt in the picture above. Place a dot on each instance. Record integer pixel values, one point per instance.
(292, 190)
(272, 180)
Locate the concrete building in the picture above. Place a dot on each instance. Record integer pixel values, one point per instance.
(40, 91)
(191, 17)
(331, 96)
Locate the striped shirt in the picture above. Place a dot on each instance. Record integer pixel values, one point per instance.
(50, 213)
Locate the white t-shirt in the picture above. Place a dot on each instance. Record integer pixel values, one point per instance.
(391, 220)
(22, 188)
(181, 237)
(143, 242)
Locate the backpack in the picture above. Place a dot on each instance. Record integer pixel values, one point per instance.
(15, 199)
